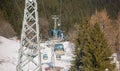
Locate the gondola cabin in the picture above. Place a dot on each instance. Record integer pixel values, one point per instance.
(59, 49)
(45, 56)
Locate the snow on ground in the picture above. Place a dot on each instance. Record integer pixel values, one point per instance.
(9, 54)
(66, 59)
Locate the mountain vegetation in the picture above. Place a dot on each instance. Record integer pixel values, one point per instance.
(93, 38)
(72, 11)
(92, 52)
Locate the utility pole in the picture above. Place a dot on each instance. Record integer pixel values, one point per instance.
(55, 18)
(29, 52)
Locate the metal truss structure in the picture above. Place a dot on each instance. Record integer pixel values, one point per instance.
(29, 52)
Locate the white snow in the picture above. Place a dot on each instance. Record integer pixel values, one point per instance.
(9, 54)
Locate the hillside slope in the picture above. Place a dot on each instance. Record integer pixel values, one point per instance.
(9, 55)
(6, 29)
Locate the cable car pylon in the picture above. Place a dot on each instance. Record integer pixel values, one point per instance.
(29, 52)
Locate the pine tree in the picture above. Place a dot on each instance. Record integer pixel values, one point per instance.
(100, 50)
(92, 52)
(81, 42)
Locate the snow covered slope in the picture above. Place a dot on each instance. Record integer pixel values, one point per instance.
(9, 54)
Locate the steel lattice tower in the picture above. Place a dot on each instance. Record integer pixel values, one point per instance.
(29, 52)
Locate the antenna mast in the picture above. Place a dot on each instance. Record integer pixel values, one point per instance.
(29, 52)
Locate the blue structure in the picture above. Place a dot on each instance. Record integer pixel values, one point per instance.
(59, 49)
(58, 33)
(45, 56)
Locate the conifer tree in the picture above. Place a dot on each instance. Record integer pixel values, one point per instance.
(81, 42)
(92, 52)
(100, 51)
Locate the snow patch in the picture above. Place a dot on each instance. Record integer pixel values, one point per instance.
(9, 54)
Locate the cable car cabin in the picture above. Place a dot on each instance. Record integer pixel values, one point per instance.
(45, 56)
(59, 49)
